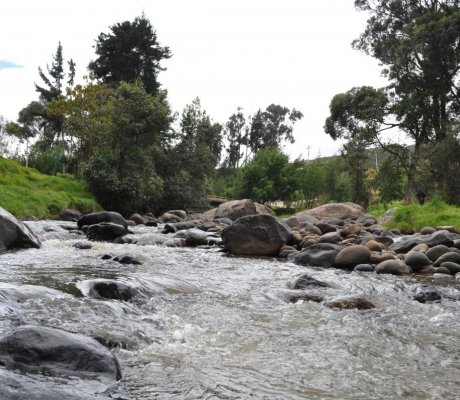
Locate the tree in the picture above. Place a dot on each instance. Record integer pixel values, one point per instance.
(129, 52)
(268, 177)
(271, 127)
(236, 133)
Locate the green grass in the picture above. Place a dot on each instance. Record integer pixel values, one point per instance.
(413, 217)
(26, 192)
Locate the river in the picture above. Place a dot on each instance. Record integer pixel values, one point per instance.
(212, 326)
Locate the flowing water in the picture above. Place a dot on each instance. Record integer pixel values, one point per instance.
(210, 326)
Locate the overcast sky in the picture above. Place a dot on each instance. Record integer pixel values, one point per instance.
(229, 53)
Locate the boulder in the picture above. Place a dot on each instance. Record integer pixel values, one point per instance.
(452, 256)
(178, 213)
(39, 348)
(236, 209)
(178, 226)
(377, 258)
(426, 293)
(196, 237)
(169, 217)
(70, 214)
(353, 255)
(422, 248)
(373, 245)
(427, 230)
(105, 231)
(263, 209)
(353, 229)
(137, 219)
(349, 303)
(417, 260)
(437, 251)
(127, 259)
(109, 289)
(364, 268)
(317, 255)
(454, 268)
(437, 238)
(300, 220)
(103, 216)
(82, 245)
(395, 267)
(256, 235)
(325, 227)
(14, 234)
(330, 237)
(336, 210)
(306, 282)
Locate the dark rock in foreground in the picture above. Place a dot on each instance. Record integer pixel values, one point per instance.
(262, 235)
(110, 289)
(105, 231)
(14, 234)
(43, 349)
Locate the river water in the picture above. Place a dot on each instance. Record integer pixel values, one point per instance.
(211, 326)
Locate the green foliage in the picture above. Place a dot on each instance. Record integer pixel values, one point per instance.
(128, 53)
(414, 217)
(268, 177)
(25, 191)
(389, 181)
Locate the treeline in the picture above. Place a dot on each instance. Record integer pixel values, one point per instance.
(118, 132)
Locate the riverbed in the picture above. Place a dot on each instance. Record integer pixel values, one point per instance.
(211, 326)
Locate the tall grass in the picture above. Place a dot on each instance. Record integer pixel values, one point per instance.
(435, 213)
(26, 192)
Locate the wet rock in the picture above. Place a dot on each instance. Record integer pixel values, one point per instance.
(38, 348)
(442, 270)
(172, 218)
(137, 219)
(70, 214)
(303, 296)
(100, 217)
(428, 230)
(336, 210)
(351, 256)
(364, 268)
(330, 237)
(326, 228)
(178, 226)
(306, 281)
(349, 303)
(377, 258)
(395, 267)
(127, 259)
(452, 256)
(437, 251)
(14, 234)
(256, 235)
(109, 289)
(430, 270)
(452, 267)
(105, 231)
(426, 293)
(437, 238)
(196, 237)
(151, 222)
(236, 209)
(439, 275)
(82, 245)
(422, 248)
(354, 229)
(318, 255)
(373, 245)
(106, 257)
(286, 250)
(416, 260)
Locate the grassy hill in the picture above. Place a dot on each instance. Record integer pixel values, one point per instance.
(27, 192)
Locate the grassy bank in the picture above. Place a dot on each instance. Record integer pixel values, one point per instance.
(413, 217)
(27, 192)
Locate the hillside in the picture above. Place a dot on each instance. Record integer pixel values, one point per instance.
(26, 192)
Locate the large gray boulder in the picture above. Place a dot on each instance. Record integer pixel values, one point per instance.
(14, 234)
(335, 210)
(38, 348)
(236, 209)
(262, 235)
(103, 216)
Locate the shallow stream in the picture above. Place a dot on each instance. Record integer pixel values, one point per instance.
(211, 326)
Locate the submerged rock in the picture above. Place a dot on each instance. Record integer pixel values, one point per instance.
(426, 293)
(306, 281)
(39, 349)
(105, 231)
(348, 303)
(14, 234)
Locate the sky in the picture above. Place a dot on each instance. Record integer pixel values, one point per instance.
(229, 53)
